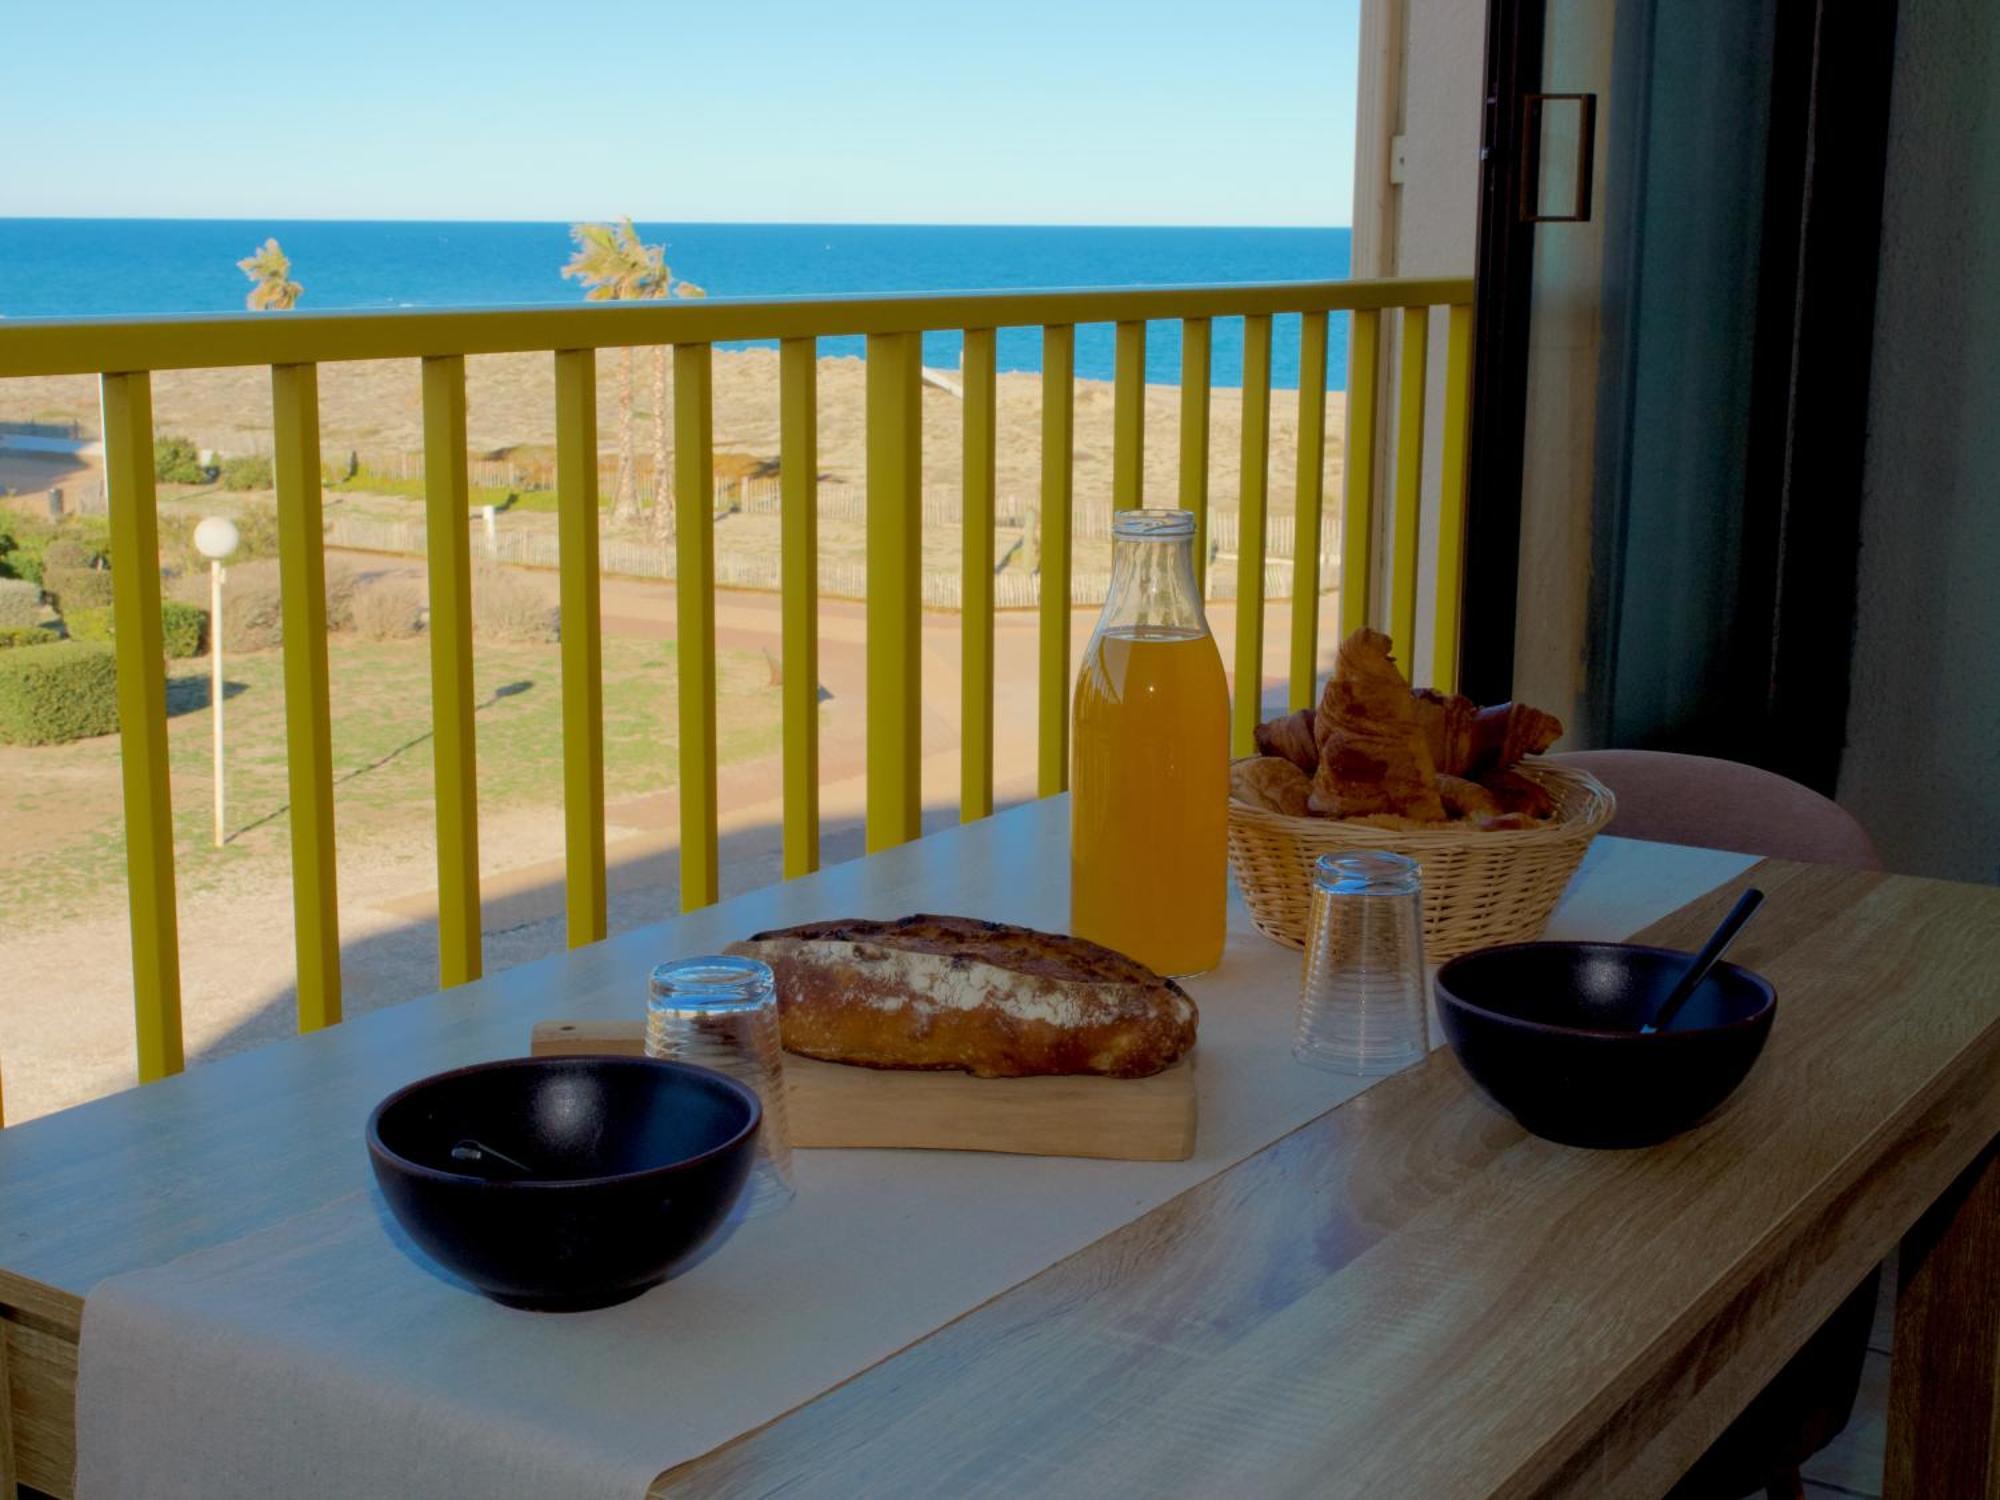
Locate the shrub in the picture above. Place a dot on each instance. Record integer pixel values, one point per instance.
(23, 560)
(256, 532)
(54, 694)
(79, 541)
(253, 606)
(26, 635)
(20, 603)
(253, 611)
(387, 609)
(92, 624)
(506, 607)
(343, 581)
(251, 471)
(70, 548)
(176, 461)
(183, 628)
(76, 588)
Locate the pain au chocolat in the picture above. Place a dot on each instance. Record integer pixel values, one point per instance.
(985, 998)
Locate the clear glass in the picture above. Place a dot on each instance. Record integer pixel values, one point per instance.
(1149, 767)
(1362, 1007)
(722, 1013)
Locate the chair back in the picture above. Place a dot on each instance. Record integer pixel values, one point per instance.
(1721, 804)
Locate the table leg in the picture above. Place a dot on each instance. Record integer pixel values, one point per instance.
(1944, 1388)
(7, 1475)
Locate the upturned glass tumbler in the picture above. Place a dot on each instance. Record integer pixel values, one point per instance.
(722, 1013)
(1362, 1006)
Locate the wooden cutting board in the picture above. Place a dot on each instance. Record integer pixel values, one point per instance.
(830, 1105)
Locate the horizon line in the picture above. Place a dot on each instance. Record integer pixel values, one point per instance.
(698, 223)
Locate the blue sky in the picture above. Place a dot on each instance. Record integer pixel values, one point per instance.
(957, 111)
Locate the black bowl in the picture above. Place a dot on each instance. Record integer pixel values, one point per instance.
(631, 1165)
(1551, 1032)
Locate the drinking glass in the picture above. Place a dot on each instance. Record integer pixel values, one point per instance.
(1362, 1007)
(722, 1013)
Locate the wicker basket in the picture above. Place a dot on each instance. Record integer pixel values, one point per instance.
(1479, 888)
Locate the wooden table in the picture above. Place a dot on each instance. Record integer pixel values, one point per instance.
(1409, 1296)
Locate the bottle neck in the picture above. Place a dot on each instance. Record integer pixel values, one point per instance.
(1152, 580)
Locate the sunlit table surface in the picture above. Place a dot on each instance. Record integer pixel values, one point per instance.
(1409, 1295)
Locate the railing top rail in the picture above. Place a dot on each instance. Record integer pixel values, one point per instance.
(88, 346)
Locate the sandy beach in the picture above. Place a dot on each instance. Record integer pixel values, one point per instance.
(375, 408)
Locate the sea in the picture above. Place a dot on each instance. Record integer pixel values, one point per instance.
(78, 267)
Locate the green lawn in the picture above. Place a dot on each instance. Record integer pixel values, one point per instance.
(516, 497)
(63, 801)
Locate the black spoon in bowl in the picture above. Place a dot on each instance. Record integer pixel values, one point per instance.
(1711, 954)
(486, 1161)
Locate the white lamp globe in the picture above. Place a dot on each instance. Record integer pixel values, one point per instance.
(216, 538)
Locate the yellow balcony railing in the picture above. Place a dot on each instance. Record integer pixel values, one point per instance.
(124, 352)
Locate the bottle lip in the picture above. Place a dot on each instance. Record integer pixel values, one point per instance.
(1152, 525)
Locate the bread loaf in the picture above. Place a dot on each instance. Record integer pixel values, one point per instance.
(985, 998)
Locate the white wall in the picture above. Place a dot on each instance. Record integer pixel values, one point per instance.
(1558, 461)
(1922, 768)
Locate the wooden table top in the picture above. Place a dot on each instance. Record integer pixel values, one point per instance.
(1411, 1296)
(1407, 1296)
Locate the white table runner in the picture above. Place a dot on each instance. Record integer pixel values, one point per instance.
(324, 1357)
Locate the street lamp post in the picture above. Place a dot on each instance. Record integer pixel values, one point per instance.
(216, 539)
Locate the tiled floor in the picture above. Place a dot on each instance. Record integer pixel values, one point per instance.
(1852, 1463)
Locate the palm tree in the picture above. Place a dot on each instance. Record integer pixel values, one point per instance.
(615, 267)
(663, 489)
(271, 286)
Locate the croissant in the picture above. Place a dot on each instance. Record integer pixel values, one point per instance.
(1515, 793)
(1501, 735)
(1467, 740)
(1373, 754)
(1447, 720)
(1466, 799)
(1292, 738)
(1272, 783)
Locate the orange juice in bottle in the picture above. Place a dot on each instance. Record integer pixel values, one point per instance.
(1150, 759)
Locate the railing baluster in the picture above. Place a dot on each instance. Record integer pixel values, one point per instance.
(1256, 468)
(1449, 577)
(1128, 420)
(975, 776)
(895, 582)
(142, 721)
(1306, 509)
(1409, 480)
(1357, 515)
(1194, 438)
(308, 710)
(584, 878)
(1058, 443)
(798, 550)
(694, 613)
(449, 544)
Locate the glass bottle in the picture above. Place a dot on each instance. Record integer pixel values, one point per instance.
(1150, 758)
(1362, 1007)
(722, 1012)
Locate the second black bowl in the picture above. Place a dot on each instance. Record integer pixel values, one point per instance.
(560, 1183)
(1551, 1032)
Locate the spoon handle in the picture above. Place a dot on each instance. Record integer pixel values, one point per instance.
(1711, 953)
